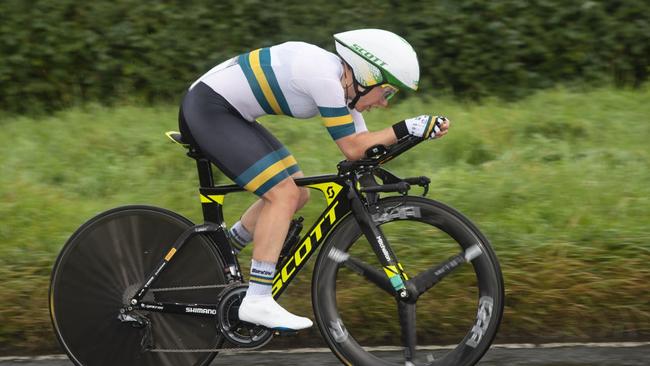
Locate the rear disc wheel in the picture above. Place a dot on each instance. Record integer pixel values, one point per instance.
(101, 267)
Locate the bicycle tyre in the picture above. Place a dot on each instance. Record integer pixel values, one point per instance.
(104, 263)
(338, 330)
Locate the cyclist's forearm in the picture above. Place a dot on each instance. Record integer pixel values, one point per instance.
(354, 146)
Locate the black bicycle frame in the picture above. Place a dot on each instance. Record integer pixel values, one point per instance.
(352, 191)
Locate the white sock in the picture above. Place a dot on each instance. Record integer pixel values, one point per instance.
(261, 279)
(240, 237)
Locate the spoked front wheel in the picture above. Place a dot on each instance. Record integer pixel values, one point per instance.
(100, 269)
(443, 254)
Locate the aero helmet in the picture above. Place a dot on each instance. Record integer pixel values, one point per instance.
(379, 57)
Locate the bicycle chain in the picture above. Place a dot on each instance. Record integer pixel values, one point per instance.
(203, 350)
(197, 350)
(184, 288)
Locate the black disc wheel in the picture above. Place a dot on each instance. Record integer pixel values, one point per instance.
(460, 303)
(101, 267)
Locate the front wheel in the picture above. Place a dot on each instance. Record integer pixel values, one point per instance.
(457, 319)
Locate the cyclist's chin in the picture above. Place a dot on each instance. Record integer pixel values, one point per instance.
(368, 107)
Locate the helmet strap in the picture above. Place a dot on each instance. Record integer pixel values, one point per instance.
(358, 93)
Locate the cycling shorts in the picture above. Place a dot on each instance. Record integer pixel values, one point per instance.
(245, 151)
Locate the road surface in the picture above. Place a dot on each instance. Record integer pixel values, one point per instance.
(598, 354)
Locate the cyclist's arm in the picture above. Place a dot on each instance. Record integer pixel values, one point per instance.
(354, 146)
(346, 127)
(353, 138)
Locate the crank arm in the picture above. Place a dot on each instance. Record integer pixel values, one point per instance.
(200, 310)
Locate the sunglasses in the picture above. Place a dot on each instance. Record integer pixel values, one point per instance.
(389, 91)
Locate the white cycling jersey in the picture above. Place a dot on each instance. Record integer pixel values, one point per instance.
(296, 79)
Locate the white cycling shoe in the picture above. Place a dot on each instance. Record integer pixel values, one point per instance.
(263, 310)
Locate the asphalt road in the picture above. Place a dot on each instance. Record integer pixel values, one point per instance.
(519, 355)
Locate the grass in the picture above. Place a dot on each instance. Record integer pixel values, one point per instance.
(557, 181)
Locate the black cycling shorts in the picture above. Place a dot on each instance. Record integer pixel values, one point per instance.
(245, 151)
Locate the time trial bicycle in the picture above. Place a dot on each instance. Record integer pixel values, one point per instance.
(141, 285)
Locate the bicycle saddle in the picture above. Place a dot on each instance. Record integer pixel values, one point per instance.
(176, 137)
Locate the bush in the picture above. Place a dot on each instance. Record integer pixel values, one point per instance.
(58, 53)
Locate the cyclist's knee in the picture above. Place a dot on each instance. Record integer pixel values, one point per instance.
(304, 198)
(304, 192)
(286, 193)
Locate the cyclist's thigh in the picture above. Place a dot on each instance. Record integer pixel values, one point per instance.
(273, 143)
(245, 151)
(292, 168)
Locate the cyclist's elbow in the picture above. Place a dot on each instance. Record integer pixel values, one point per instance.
(351, 146)
(353, 155)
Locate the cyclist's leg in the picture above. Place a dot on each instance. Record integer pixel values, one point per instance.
(278, 204)
(304, 191)
(244, 151)
(273, 221)
(251, 215)
(258, 306)
(243, 230)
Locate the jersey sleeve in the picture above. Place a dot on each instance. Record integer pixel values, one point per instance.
(330, 100)
(359, 122)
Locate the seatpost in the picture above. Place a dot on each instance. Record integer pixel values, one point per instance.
(211, 213)
(204, 168)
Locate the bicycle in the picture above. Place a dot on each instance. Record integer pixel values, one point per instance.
(164, 291)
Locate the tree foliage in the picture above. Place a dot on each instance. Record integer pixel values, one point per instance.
(56, 53)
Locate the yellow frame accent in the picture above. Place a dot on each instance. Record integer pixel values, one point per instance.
(213, 198)
(392, 271)
(324, 187)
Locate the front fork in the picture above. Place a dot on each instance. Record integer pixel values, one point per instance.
(405, 290)
(402, 289)
(373, 233)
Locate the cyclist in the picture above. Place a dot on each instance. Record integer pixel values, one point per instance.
(300, 80)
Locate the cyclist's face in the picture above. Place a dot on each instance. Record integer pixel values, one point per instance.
(377, 97)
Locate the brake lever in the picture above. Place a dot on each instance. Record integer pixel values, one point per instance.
(420, 181)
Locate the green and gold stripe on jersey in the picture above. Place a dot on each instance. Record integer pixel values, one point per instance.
(257, 68)
(338, 121)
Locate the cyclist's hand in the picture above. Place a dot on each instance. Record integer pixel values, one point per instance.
(444, 127)
(427, 127)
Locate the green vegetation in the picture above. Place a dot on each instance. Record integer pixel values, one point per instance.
(61, 53)
(558, 182)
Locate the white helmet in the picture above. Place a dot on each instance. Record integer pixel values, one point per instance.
(377, 57)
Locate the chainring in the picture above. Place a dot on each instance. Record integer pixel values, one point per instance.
(235, 331)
